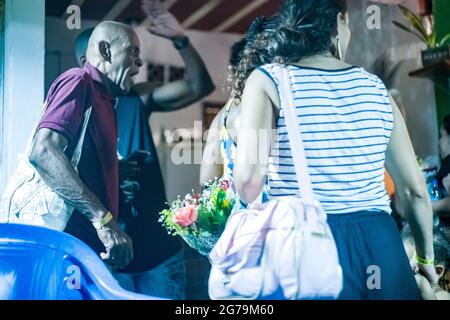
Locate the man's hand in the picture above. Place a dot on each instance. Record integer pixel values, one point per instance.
(128, 169)
(426, 291)
(162, 22)
(153, 8)
(428, 271)
(119, 247)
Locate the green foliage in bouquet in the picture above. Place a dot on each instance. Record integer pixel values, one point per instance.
(201, 218)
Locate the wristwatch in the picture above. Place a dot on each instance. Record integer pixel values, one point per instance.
(180, 42)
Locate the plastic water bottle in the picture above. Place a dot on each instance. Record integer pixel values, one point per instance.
(436, 193)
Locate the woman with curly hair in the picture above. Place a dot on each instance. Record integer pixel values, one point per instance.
(351, 129)
(220, 149)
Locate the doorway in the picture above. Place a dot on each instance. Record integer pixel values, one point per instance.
(2, 108)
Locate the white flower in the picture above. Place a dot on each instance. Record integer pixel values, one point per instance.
(207, 194)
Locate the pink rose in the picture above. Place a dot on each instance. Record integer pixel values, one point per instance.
(185, 216)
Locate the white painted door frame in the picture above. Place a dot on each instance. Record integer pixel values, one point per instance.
(22, 79)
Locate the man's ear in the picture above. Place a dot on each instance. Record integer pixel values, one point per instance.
(340, 17)
(83, 60)
(343, 18)
(440, 269)
(105, 50)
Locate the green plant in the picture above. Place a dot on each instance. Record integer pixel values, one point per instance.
(420, 31)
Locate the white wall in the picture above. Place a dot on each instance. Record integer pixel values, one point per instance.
(213, 48)
(396, 45)
(23, 77)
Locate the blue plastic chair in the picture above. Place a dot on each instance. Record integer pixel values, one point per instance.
(42, 264)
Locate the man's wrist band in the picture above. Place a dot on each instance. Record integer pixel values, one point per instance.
(103, 221)
(180, 43)
(422, 261)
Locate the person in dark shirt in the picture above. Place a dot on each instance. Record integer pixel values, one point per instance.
(442, 207)
(158, 265)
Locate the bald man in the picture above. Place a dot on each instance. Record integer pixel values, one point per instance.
(112, 59)
(158, 267)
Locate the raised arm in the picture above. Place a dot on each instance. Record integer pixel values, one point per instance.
(48, 157)
(411, 190)
(197, 82)
(254, 140)
(181, 93)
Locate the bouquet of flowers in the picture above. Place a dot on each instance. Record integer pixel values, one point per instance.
(200, 218)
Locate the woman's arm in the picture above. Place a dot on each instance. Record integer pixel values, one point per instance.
(212, 162)
(255, 135)
(442, 207)
(411, 189)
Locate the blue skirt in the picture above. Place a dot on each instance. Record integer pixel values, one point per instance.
(372, 256)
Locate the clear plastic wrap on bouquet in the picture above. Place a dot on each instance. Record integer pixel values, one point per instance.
(203, 242)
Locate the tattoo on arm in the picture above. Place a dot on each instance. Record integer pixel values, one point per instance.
(48, 157)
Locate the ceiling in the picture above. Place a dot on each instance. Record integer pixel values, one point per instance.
(207, 15)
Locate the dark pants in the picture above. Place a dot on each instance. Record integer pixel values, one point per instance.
(80, 227)
(372, 257)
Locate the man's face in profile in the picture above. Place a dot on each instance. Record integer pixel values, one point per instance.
(125, 61)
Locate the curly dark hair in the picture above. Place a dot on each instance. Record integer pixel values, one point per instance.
(301, 28)
(253, 53)
(306, 28)
(237, 49)
(236, 53)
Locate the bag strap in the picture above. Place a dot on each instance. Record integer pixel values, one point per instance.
(76, 156)
(294, 134)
